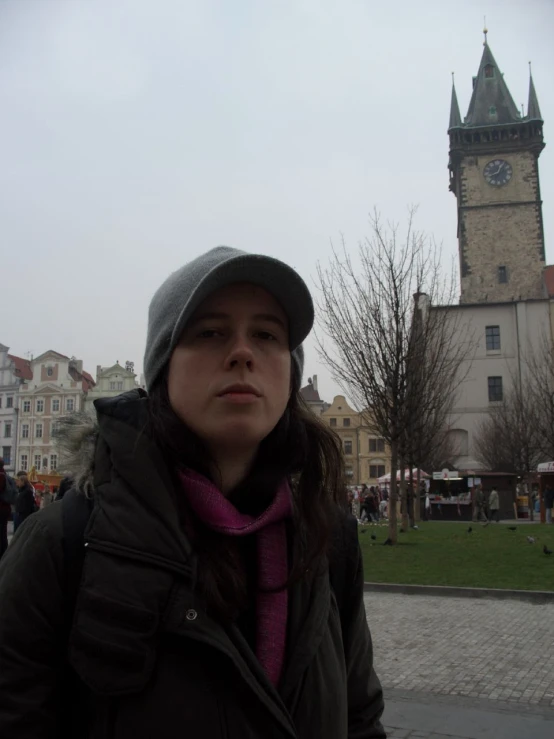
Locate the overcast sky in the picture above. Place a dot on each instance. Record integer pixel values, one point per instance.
(136, 134)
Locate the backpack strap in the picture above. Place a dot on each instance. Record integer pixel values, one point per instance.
(76, 510)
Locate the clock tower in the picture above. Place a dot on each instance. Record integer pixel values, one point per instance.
(494, 174)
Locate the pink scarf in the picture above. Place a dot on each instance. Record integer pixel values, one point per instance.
(216, 512)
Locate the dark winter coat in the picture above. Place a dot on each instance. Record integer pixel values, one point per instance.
(25, 501)
(549, 497)
(150, 661)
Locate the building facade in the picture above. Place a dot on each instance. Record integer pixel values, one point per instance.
(506, 302)
(310, 394)
(366, 455)
(111, 381)
(13, 372)
(57, 387)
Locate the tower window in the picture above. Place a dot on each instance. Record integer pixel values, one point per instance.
(492, 110)
(502, 275)
(495, 389)
(489, 71)
(492, 335)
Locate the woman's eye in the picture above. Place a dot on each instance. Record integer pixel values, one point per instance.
(208, 333)
(266, 336)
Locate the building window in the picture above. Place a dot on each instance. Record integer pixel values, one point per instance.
(69, 404)
(24, 462)
(0, 401)
(495, 389)
(54, 428)
(7, 430)
(37, 462)
(7, 455)
(38, 431)
(376, 470)
(492, 334)
(120, 385)
(49, 371)
(502, 275)
(333, 421)
(40, 406)
(55, 405)
(53, 462)
(9, 401)
(492, 110)
(347, 447)
(26, 406)
(25, 431)
(112, 385)
(346, 422)
(45, 463)
(376, 445)
(489, 71)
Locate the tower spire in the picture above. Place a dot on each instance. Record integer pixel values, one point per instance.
(533, 110)
(455, 117)
(491, 101)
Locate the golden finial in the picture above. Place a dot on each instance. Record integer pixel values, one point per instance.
(485, 29)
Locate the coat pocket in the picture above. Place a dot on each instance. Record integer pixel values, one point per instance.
(112, 645)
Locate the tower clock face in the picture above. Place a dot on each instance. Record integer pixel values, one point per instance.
(498, 172)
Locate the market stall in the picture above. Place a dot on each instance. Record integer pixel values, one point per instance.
(451, 493)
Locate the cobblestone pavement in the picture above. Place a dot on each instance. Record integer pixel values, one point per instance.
(463, 649)
(496, 649)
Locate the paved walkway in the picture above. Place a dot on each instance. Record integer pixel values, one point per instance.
(464, 668)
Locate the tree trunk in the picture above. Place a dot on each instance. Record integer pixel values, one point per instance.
(404, 497)
(393, 524)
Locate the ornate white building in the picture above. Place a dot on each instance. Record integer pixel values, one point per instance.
(58, 386)
(111, 381)
(13, 372)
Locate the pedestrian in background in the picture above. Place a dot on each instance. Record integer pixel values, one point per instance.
(479, 505)
(202, 604)
(46, 497)
(6, 497)
(494, 506)
(549, 502)
(25, 502)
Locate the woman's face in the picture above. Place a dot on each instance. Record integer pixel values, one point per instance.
(230, 374)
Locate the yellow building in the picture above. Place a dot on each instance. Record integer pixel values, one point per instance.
(366, 455)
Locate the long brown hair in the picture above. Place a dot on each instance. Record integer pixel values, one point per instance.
(300, 448)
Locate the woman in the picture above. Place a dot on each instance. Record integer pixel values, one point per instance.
(205, 606)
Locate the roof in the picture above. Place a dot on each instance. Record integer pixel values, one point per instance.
(88, 378)
(455, 117)
(83, 377)
(22, 367)
(310, 394)
(49, 351)
(548, 274)
(491, 102)
(533, 110)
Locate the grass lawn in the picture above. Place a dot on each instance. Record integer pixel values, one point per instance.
(445, 554)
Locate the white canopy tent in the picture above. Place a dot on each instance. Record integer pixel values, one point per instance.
(386, 478)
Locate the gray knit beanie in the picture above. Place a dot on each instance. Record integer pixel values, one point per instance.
(182, 293)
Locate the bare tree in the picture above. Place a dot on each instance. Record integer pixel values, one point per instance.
(540, 367)
(388, 351)
(509, 439)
